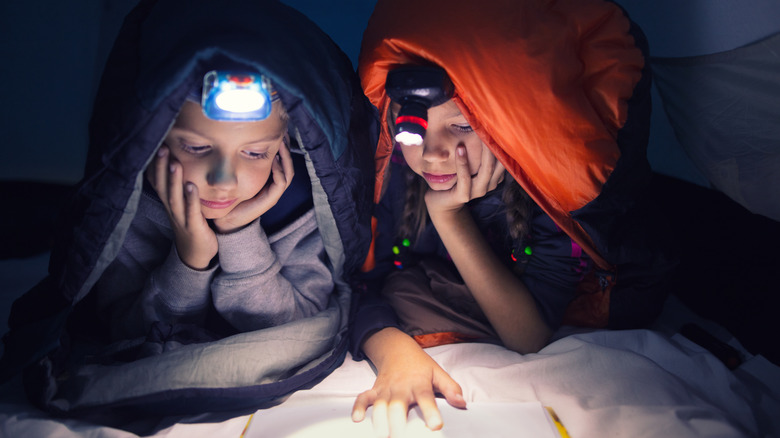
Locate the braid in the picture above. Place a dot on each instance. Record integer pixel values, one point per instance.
(518, 209)
(413, 218)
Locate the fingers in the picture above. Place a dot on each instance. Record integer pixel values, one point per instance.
(282, 173)
(287, 164)
(430, 411)
(160, 171)
(397, 412)
(462, 189)
(280, 181)
(180, 200)
(449, 388)
(193, 212)
(498, 176)
(388, 416)
(175, 193)
(497, 169)
(480, 185)
(379, 419)
(362, 402)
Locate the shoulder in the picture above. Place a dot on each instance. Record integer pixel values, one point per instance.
(296, 230)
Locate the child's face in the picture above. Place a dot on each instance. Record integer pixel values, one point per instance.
(228, 161)
(434, 160)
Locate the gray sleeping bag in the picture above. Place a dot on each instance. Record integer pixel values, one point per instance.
(162, 49)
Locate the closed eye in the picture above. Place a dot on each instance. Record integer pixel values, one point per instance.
(195, 150)
(255, 155)
(463, 128)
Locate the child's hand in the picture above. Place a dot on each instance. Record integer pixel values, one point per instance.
(196, 243)
(281, 176)
(406, 375)
(466, 188)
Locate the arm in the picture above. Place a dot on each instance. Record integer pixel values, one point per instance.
(502, 296)
(405, 375)
(264, 283)
(147, 281)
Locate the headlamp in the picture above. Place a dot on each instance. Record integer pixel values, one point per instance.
(236, 96)
(416, 89)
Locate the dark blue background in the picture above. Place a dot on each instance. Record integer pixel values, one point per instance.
(52, 53)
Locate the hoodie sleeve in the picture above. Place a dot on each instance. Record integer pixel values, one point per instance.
(148, 282)
(265, 282)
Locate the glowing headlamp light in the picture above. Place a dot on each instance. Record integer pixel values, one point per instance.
(416, 89)
(237, 96)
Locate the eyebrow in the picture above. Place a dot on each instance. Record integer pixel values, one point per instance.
(264, 139)
(267, 138)
(454, 112)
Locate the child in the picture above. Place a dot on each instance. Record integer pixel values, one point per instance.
(173, 267)
(511, 202)
(205, 260)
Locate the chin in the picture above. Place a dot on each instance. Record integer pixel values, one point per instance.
(441, 187)
(215, 214)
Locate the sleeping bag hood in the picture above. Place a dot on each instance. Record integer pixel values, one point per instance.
(559, 92)
(162, 52)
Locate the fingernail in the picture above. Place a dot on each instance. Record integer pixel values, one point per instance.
(172, 168)
(190, 187)
(461, 151)
(434, 422)
(162, 151)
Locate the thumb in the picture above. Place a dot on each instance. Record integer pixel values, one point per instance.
(449, 388)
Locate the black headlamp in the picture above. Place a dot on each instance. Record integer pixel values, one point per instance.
(416, 88)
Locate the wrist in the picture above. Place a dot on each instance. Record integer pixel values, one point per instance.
(449, 217)
(197, 263)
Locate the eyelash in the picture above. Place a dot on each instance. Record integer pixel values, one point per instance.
(256, 155)
(202, 150)
(463, 128)
(195, 150)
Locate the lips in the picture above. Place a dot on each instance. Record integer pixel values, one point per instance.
(438, 179)
(217, 205)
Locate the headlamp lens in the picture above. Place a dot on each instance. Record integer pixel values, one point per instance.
(411, 123)
(240, 101)
(236, 96)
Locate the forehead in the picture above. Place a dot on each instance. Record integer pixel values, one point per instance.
(448, 109)
(192, 118)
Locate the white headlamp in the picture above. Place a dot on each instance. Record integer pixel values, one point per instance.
(237, 96)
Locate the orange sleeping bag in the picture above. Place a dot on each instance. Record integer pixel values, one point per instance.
(544, 83)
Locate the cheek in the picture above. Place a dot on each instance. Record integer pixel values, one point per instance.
(412, 156)
(194, 172)
(254, 178)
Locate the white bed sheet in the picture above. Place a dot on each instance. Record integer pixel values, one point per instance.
(637, 383)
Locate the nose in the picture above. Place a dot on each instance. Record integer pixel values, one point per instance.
(436, 148)
(222, 173)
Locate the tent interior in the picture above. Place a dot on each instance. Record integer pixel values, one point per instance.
(715, 152)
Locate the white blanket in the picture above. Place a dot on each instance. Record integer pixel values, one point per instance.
(617, 384)
(637, 383)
